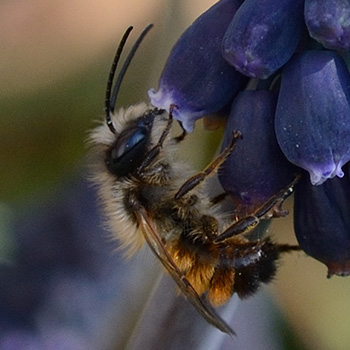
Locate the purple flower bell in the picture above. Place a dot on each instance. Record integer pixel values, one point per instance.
(268, 40)
(196, 78)
(328, 22)
(256, 168)
(322, 221)
(313, 114)
(263, 36)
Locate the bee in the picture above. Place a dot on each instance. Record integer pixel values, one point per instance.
(149, 195)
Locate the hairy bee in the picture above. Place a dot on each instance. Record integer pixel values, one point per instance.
(150, 195)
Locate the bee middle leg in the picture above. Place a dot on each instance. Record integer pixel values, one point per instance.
(198, 178)
(248, 222)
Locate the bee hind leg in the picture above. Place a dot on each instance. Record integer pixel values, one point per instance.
(265, 211)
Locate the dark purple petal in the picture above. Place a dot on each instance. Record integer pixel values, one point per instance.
(322, 221)
(256, 169)
(313, 114)
(328, 22)
(263, 36)
(196, 78)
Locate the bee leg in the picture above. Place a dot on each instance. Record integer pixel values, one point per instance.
(198, 178)
(182, 136)
(284, 248)
(153, 153)
(220, 197)
(247, 223)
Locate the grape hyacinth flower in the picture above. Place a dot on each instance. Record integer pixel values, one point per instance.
(325, 148)
(328, 22)
(197, 54)
(326, 238)
(260, 39)
(252, 114)
(283, 68)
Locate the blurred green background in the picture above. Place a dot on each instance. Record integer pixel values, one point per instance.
(54, 61)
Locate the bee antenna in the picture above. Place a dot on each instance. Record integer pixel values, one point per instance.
(111, 97)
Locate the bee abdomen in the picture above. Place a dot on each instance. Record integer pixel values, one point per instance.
(241, 269)
(221, 285)
(258, 266)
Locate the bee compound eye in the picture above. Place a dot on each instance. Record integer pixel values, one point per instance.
(127, 152)
(128, 144)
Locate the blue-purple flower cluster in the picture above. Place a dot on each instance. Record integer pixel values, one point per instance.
(280, 67)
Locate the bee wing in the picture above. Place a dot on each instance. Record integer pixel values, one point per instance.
(155, 242)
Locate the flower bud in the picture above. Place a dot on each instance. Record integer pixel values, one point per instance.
(263, 35)
(328, 22)
(322, 221)
(256, 168)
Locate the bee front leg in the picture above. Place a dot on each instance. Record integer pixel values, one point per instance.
(154, 152)
(198, 178)
(182, 136)
(250, 221)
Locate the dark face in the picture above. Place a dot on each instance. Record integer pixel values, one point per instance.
(130, 147)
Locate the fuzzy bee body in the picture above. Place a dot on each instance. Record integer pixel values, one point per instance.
(150, 195)
(188, 227)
